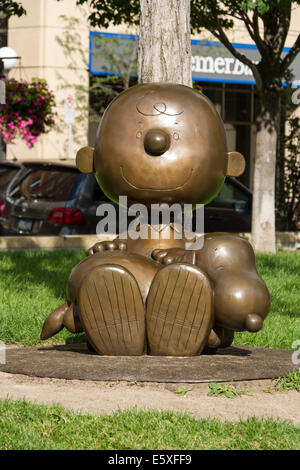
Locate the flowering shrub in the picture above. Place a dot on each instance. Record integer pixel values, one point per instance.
(28, 111)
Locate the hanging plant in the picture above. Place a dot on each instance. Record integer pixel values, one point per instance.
(28, 111)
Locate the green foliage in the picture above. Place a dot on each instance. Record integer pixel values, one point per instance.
(10, 8)
(227, 390)
(117, 11)
(112, 12)
(262, 6)
(183, 391)
(289, 382)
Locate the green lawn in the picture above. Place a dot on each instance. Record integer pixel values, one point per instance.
(33, 283)
(27, 426)
(281, 273)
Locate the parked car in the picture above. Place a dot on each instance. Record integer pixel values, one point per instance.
(231, 210)
(47, 198)
(8, 170)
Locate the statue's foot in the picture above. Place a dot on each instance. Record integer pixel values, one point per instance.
(112, 311)
(218, 338)
(90, 347)
(179, 311)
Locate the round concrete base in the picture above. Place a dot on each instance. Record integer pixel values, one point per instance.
(74, 361)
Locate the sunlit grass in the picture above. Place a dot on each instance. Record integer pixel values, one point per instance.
(32, 284)
(27, 426)
(281, 273)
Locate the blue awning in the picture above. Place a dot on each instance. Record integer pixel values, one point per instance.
(112, 54)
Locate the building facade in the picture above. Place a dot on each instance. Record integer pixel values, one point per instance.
(43, 38)
(56, 44)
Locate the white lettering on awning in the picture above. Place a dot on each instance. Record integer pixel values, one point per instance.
(219, 65)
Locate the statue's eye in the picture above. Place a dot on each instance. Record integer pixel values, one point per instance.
(138, 135)
(175, 136)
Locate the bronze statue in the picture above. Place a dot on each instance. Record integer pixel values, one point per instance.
(162, 143)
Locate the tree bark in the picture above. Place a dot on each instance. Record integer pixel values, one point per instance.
(263, 207)
(165, 42)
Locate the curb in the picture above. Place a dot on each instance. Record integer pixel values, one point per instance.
(65, 242)
(285, 240)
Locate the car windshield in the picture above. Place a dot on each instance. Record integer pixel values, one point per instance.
(43, 184)
(230, 196)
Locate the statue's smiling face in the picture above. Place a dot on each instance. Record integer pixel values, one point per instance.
(161, 143)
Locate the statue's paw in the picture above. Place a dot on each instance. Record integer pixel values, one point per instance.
(219, 338)
(114, 245)
(169, 256)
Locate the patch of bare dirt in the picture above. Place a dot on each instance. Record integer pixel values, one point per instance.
(107, 397)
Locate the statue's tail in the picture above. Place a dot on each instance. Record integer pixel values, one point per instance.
(63, 316)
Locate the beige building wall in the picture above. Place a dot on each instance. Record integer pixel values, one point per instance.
(36, 38)
(240, 34)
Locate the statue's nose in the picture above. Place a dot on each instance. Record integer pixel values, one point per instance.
(156, 142)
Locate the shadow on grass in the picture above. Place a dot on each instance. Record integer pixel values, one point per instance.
(50, 268)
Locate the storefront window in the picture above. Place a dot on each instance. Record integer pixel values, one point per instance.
(237, 86)
(216, 97)
(235, 104)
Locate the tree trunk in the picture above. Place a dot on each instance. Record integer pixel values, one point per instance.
(165, 42)
(263, 207)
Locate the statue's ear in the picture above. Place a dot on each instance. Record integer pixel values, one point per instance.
(235, 164)
(85, 160)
